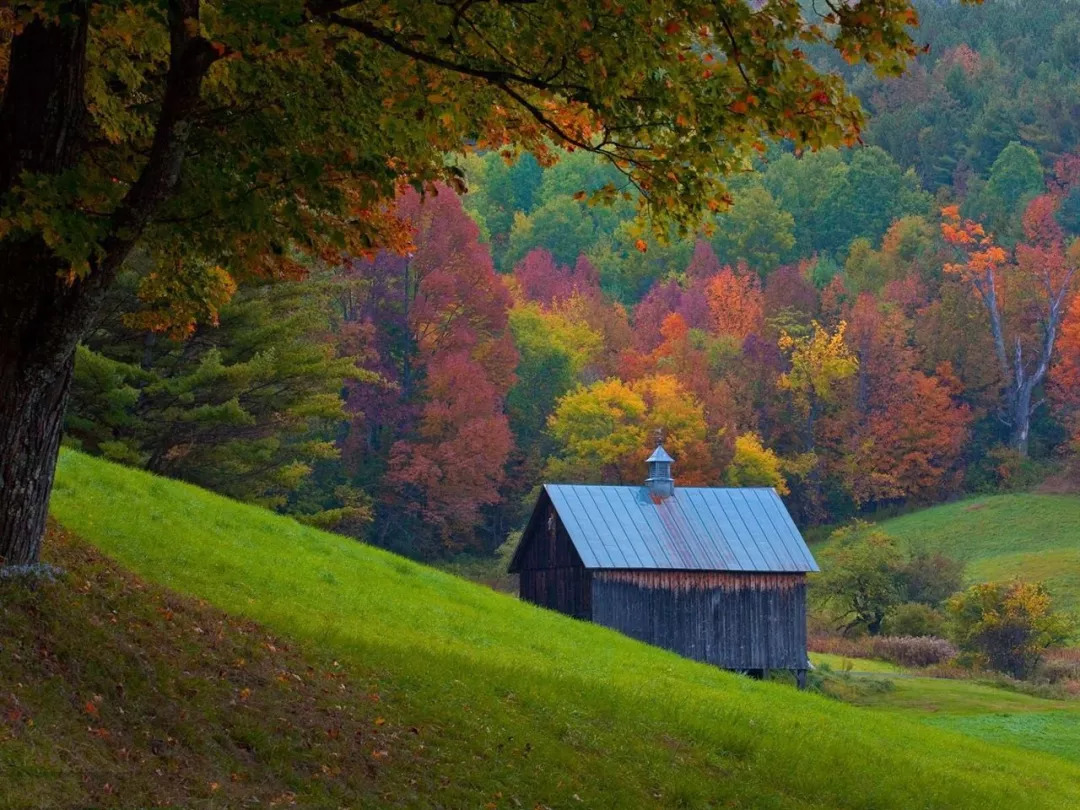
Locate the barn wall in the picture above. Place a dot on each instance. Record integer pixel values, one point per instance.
(550, 572)
(735, 621)
(566, 590)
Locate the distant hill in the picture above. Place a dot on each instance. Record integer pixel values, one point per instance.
(372, 680)
(1034, 537)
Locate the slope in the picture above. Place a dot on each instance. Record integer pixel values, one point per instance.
(515, 706)
(1034, 537)
(117, 693)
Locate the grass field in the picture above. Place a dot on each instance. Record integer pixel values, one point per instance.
(1034, 537)
(485, 701)
(978, 709)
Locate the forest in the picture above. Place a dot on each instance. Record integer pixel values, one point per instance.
(867, 328)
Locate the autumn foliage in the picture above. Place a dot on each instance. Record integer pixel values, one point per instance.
(1008, 625)
(735, 302)
(858, 327)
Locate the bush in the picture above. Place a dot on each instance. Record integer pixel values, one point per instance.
(913, 651)
(1007, 625)
(913, 619)
(1002, 469)
(866, 578)
(904, 651)
(840, 645)
(1060, 666)
(931, 578)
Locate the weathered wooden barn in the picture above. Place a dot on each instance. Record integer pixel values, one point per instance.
(715, 574)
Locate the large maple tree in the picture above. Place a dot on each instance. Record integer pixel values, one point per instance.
(248, 134)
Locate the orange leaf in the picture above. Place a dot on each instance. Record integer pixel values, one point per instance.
(640, 245)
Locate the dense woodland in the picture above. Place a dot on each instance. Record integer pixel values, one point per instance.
(872, 327)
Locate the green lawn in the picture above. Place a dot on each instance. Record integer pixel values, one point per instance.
(515, 706)
(984, 711)
(980, 710)
(1035, 537)
(1054, 731)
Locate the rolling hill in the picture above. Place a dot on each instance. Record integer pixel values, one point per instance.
(376, 680)
(1031, 536)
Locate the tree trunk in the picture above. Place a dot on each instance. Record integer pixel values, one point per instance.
(31, 423)
(40, 120)
(42, 314)
(1021, 424)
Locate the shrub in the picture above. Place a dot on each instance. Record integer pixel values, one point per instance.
(840, 645)
(1007, 625)
(866, 578)
(1060, 666)
(931, 578)
(905, 651)
(913, 619)
(913, 651)
(1002, 469)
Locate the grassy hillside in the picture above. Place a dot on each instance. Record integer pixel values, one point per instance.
(492, 702)
(1035, 537)
(117, 693)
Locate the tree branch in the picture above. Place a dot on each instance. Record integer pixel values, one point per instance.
(190, 58)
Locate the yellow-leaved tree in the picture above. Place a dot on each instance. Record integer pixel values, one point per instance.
(819, 365)
(605, 431)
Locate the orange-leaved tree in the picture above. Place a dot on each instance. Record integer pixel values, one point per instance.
(735, 302)
(905, 429)
(248, 136)
(1043, 275)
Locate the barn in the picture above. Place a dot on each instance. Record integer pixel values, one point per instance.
(714, 574)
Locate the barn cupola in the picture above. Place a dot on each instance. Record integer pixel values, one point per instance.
(660, 482)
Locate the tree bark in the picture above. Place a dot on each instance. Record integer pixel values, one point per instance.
(1021, 432)
(31, 423)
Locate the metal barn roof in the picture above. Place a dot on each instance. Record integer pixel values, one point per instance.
(697, 529)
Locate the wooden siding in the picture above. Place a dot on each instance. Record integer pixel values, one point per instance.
(566, 590)
(734, 621)
(550, 571)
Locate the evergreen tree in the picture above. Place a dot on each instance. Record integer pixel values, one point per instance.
(246, 407)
